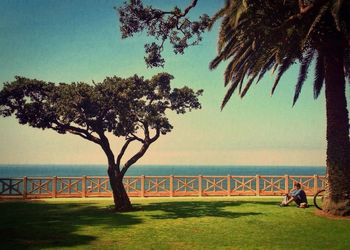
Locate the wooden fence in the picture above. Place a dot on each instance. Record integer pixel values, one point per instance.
(151, 186)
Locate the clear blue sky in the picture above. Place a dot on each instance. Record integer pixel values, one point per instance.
(71, 40)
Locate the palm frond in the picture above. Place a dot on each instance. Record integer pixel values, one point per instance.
(319, 75)
(347, 64)
(243, 73)
(304, 66)
(229, 92)
(238, 8)
(241, 57)
(316, 21)
(247, 86)
(267, 66)
(228, 73)
(230, 47)
(216, 61)
(223, 33)
(281, 70)
(337, 4)
(232, 14)
(225, 38)
(237, 64)
(218, 15)
(274, 67)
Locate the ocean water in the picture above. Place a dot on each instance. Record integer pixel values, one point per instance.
(14, 170)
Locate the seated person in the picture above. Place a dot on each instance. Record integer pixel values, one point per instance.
(297, 195)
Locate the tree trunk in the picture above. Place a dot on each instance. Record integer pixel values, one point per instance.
(337, 199)
(121, 199)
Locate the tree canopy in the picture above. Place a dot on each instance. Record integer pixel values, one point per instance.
(121, 106)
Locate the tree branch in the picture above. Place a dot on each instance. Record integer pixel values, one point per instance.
(77, 133)
(192, 5)
(135, 158)
(123, 150)
(179, 15)
(84, 133)
(148, 141)
(156, 136)
(145, 129)
(135, 137)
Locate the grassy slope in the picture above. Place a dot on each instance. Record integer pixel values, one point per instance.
(207, 223)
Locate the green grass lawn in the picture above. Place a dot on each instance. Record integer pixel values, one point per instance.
(168, 223)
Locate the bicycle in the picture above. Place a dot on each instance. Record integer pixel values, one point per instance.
(318, 199)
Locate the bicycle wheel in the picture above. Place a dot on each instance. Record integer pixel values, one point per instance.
(318, 199)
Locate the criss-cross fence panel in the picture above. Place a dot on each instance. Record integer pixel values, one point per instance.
(272, 185)
(243, 185)
(307, 183)
(133, 185)
(69, 187)
(97, 186)
(146, 186)
(214, 185)
(39, 187)
(185, 185)
(157, 186)
(11, 186)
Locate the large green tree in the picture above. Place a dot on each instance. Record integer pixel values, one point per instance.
(133, 108)
(261, 35)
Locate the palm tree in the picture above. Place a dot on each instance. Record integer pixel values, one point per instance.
(260, 35)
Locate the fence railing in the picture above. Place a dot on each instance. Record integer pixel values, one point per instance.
(151, 186)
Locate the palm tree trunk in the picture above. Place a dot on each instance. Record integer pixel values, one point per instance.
(337, 200)
(121, 199)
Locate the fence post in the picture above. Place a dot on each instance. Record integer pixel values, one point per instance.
(171, 180)
(54, 187)
(228, 185)
(286, 184)
(142, 186)
(200, 185)
(315, 183)
(83, 186)
(24, 187)
(257, 185)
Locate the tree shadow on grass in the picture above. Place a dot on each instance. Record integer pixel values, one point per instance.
(38, 224)
(188, 209)
(42, 225)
